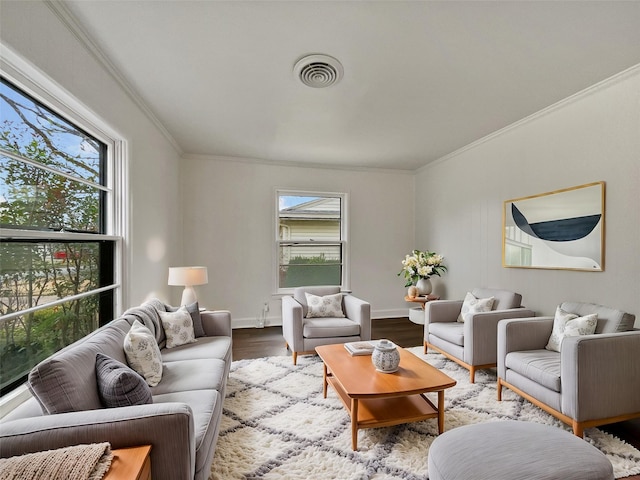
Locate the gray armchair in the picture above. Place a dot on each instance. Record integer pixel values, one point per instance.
(473, 343)
(302, 335)
(594, 379)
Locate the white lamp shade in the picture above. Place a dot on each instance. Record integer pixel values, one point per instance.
(188, 277)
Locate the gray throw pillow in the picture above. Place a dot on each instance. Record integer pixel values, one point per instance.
(119, 385)
(194, 311)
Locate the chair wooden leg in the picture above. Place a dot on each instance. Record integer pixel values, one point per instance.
(425, 347)
(295, 357)
(578, 429)
(472, 374)
(499, 390)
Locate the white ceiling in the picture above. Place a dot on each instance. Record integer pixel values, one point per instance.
(421, 78)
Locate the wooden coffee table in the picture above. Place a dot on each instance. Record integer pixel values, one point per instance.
(375, 399)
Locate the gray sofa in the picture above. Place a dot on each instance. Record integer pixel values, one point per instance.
(593, 380)
(181, 424)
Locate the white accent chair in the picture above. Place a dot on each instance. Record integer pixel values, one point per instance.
(472, 344)
(302, 335)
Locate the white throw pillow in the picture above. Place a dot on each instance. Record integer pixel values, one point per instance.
(143, 353)
(178, 327)
(327, 306)
(472, 305)
(567, 324)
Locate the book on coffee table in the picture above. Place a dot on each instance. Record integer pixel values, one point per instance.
(360, 348)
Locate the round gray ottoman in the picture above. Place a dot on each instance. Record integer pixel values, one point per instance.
(513, 450)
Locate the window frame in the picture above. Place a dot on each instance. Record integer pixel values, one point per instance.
(114, 208)
(343, 242)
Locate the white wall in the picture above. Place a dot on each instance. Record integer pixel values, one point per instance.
(592, 136)
(227, 217)
(35, 33)
(229, 225)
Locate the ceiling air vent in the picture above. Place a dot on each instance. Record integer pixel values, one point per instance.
(318, 71)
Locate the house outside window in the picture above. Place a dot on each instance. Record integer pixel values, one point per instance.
(311, 239)
(58, 250)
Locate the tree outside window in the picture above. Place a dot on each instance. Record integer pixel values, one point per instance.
(54, 254)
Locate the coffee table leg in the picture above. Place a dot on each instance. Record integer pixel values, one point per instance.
(324, 380)
(354, 424)
(440, 411)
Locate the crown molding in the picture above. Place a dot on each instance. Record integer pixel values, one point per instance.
(69, 20)
(591, 90)
(283, 163)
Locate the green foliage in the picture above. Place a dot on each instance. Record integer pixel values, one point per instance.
(310, 271)
(36, 273)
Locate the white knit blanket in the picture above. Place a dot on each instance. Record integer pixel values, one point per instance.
(79, 462)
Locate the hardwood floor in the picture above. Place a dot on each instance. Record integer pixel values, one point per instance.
(268, 341)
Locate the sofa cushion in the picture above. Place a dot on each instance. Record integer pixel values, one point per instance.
(471, 304)
(610, 320)
(452, 332)
(178, 327)
(66, 381)
(119, 385)
(143, 354)
(329, 327)
(184, 375)
(194, 311)
(204, 347)
(567, 324)
(540, 366)
(325, 306)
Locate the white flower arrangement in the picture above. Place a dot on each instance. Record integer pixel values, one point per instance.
(421, 265)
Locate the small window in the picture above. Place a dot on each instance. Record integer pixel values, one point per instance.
(311, 239)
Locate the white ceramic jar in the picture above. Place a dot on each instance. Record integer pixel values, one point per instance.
(385, 357)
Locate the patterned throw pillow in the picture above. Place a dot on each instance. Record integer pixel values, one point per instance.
(143, 353)
(194, 311)
(178, 327)
(567, 324)
(472, 305)
(118, 385)
(327, 306)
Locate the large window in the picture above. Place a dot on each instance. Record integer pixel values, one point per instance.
(57, 248)
(311, 239)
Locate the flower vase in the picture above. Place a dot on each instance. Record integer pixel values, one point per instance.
(424, 286)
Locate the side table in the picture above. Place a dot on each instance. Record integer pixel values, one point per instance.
(130, 464)
(416, 314)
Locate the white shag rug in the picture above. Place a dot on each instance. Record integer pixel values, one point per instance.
(277, 425)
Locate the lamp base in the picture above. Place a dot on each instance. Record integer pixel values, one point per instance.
(188, 296)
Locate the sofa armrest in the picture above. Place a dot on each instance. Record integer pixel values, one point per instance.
(520, 334)
(216, 323)
(360, 312)
(481, 334)
(167, 427)
(600, 375)
(292, 323)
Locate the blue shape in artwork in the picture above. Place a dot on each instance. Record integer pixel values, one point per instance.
(564, 230)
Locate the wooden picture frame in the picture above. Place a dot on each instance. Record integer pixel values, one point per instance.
(563, 229)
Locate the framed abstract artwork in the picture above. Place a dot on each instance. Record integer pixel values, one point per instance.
(563, 229)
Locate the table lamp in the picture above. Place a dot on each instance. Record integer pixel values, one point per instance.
(188, 277)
